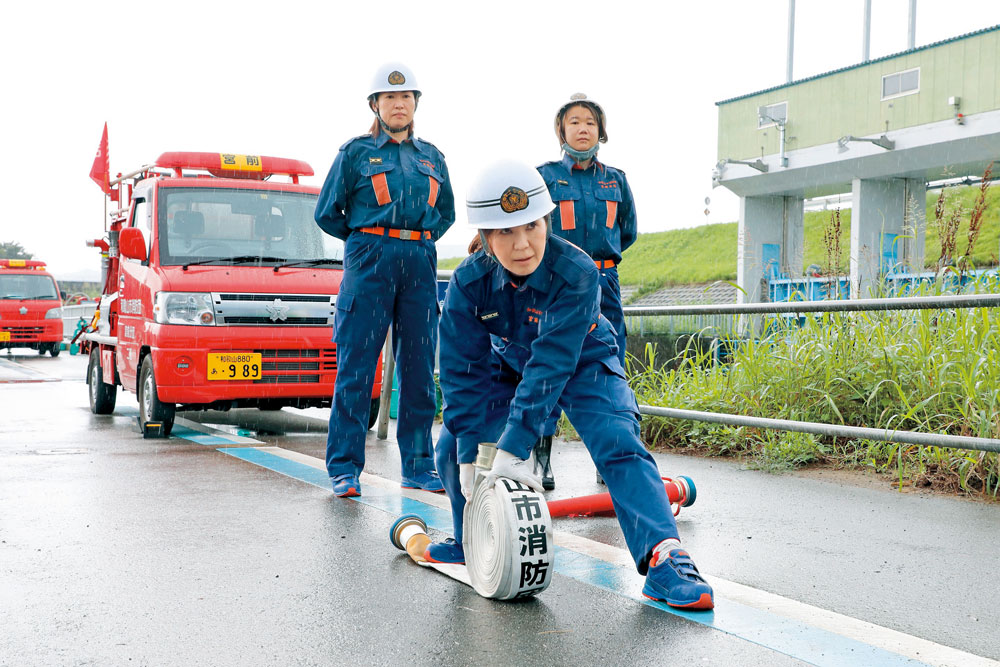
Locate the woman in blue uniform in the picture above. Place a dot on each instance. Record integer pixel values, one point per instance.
(521, 331)
(594, 211)
(388, 196)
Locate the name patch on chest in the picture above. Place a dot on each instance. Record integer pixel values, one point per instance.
(488, 316)
(374, 160)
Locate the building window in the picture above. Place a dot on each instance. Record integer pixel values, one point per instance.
(772, 114)
(901, 83)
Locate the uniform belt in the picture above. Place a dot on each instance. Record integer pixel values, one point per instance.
(402, 234)
(605, 263)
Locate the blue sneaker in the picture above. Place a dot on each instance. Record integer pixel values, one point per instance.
(676, 581)
(346, 486)
(428, 481)
(449, 551)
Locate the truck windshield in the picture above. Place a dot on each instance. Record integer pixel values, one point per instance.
(26, 286)
(228, 226)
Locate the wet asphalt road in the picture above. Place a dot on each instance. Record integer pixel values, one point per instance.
(119, 550)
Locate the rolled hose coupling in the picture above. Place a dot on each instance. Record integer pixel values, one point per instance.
(487, 452)
(509, 549)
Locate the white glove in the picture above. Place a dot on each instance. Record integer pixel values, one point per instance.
(466, 476)
(507, 465)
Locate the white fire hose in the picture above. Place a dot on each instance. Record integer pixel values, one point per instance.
(509, 549)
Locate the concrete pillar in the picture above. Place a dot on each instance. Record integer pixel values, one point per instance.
(774, 219)
(878, 209)
(915, 224)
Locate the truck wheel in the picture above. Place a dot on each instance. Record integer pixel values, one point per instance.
(373, 412)
(150, 407)
(102, 396)
(54, 349)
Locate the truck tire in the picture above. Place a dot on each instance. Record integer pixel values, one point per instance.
(102, 396)
(151, 409)
(373, 412)
(54, 349)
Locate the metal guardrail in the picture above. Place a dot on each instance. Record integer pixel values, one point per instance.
(834, 430)
(899, 303)
(799, 307)
(817, 428)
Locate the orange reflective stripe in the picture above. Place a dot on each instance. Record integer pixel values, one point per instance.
(612, 213)
(433, 196)
(592, 327)
(566, 215)
(605, 263)
(381, 189)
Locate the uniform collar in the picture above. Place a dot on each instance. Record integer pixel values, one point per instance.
(540, 280)
(383, 138)
(570, 164)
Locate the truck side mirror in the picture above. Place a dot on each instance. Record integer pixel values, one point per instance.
(131, 244)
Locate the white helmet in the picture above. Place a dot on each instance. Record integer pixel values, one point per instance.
(507, 194)
(393, 76)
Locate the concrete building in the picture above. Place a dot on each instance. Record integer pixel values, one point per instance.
(880, 130)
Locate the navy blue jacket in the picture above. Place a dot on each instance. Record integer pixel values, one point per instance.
(544, 330)
(376, 182)
(594, 207)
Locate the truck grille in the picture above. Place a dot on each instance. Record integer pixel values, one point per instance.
(321, 321)
(302, 298)
(303, 310)
(296, 366)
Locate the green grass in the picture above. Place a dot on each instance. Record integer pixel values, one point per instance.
(708, 253)
(681, 256)
(450, 263)
(926, 371)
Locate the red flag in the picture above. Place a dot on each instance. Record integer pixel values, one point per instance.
(99, 173)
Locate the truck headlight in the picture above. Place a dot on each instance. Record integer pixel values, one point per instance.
(53, 314)
(183, 308)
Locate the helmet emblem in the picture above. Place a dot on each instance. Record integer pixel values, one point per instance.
(513, 199)
(396, 78)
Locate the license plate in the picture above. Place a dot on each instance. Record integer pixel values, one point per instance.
(233, 366)
(4, 336)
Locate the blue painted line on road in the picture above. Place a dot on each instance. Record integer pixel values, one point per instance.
(198, 437)
(790, 637)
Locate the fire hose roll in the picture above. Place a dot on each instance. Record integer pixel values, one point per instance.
(509, 550)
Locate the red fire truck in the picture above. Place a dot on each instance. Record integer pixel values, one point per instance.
(30, 307)
(219, 290)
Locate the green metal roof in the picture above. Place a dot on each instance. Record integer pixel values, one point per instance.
(869, 62)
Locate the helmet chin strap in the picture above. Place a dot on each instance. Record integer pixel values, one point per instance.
(385, 126)
(581, 156)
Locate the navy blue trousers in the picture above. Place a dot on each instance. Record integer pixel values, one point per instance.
(387, 281)
(603, 409)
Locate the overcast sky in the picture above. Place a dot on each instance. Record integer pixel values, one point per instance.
(289, 79)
